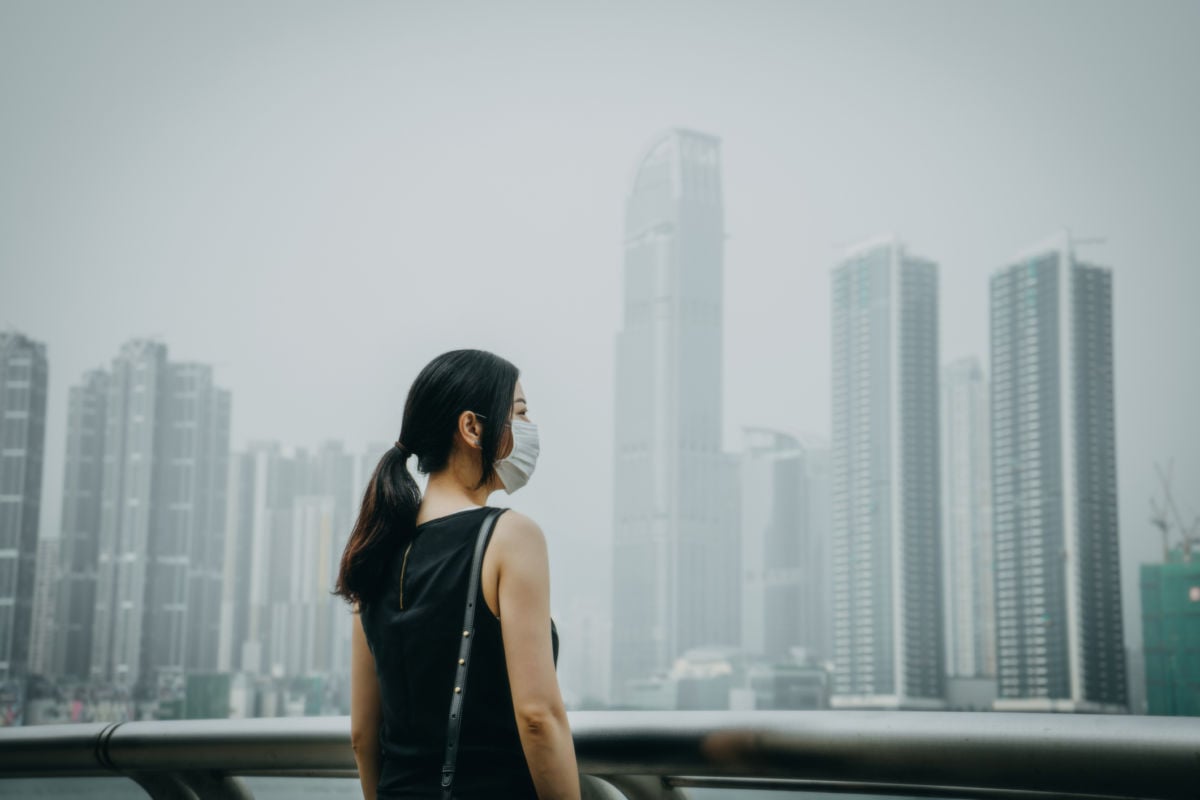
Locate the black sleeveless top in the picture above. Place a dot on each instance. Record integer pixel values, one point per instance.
(414, 629)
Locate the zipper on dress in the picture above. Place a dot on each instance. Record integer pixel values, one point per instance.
(403, 564)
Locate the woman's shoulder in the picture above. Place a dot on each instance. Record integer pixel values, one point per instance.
(518, 532)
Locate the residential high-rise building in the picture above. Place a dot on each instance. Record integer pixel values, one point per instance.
(675, 585)
(292, 511)
(261, 488)
(967, 522)
(1059, 637)
(785, 538)
(133, 449)
(23, 373)
(166, 446)
(887, 590)
(334, 478)
(75, 612)
(194, 483)
(301, 627)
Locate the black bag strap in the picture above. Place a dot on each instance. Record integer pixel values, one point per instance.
(454, 725)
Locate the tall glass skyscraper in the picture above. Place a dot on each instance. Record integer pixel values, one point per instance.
(675, 575)
(887, 590)
(1060, 644)
(23, 373)
(967, 522)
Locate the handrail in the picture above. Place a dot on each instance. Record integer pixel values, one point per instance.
(656, 754)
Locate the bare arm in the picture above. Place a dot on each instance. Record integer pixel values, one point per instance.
(366, 710)
(524, 596)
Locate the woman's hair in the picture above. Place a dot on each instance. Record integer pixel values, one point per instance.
(454, 382)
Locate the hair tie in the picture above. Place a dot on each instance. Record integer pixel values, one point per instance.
(402, 448)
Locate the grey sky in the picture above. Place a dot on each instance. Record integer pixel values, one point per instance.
(318, 198)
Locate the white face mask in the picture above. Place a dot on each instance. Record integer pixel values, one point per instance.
(515, 469)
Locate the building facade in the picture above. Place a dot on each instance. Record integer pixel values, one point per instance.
(887, 589)
(675, 581)
(23, 374)
(967, 522)
(1059, 637)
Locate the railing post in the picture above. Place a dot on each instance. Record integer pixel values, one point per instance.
(162, 785)
(210, 785)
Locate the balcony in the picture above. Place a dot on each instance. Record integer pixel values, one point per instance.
(642, 755)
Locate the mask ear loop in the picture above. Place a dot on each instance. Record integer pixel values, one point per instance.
(484, 416)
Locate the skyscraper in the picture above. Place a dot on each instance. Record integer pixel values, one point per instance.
(1060, 644)
(675, 581)
(785, 545)
(301, 626)
(23, 371)
(133, 450)
(83, 480)
(334, 478)
(166, 444)
(967, 522)
(259, 514)
(196, 472)
(886, 516)
(292, 511)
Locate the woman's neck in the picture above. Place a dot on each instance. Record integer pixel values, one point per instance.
(445, 493)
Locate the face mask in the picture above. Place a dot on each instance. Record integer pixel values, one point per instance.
(514, 470)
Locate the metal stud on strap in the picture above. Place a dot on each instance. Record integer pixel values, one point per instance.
(454, 724)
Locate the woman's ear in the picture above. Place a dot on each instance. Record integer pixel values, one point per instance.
(470, 428)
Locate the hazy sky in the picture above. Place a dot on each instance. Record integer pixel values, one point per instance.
(319, 198)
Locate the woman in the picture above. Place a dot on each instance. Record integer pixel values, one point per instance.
(406, 569)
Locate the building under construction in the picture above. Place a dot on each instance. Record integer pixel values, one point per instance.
(1171, 634)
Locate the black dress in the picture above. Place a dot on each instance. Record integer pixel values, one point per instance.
(414, 628)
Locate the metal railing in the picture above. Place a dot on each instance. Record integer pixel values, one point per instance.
(644, 754)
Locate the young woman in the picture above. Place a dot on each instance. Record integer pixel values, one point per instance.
(406, 569)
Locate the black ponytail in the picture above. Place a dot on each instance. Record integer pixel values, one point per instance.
(389, 507)
(454, 382)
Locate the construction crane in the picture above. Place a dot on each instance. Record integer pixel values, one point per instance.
(1163, 513)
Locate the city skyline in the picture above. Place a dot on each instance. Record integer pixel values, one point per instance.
(310, 282)
(160, 414)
